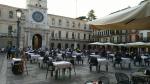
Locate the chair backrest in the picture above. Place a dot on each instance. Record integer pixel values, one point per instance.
(121, 77)
(79, 57)
(45, 59)
(72, 62)
(17, 62)
(93, 60)
(104, 80)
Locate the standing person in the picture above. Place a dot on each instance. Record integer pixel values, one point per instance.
(13, 51)
(47, 53)
(8, 52)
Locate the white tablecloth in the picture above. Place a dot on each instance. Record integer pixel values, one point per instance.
(97, 56)
(125, 60)
(144, 57)
(34, 56)
(102, 61)
(40, 60)
(59, 54)
(112, 55)
(15, 59)
(62, 64)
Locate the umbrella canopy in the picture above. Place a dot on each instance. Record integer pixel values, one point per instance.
(121, 44)
(137, 17)
(136, 44)
(108, 43)
(96, 43)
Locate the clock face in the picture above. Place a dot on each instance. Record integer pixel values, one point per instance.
(37, 16)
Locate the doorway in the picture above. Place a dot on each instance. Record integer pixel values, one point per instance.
(37, 41)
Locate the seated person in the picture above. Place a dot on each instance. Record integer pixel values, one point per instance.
(117, 58)
(137, 59)
(59, 58)
(45, 59)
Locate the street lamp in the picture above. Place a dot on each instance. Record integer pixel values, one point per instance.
(19, 13)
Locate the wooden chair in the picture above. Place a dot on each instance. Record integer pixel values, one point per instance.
(104, 80)
(122, 78)
(50, 68)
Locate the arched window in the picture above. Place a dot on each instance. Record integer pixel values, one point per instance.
(10, 14)
(67, 23)
(79, 25)
(59, 46)
(73, 35)
(59, 34)
(60, 22)
(9, 30)
(0, 13)
(84, 36)
(53, 21)
(84, 26)
(66, 34)
(78, 46)
(89, 37)
(73, 24)
(66, 46)
(84, 46)
(52, 45)
(78, 35)
(52, 34)
(72, 46)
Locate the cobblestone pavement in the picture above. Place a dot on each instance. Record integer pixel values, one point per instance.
(38, 75)
(2, 56)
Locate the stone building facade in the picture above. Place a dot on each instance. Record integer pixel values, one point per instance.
(40, 29)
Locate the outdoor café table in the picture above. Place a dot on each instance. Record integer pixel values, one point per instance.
(40, 60)
(15, 59)
(92, 53)
(143, 58)
(111, 56)
(102, 61)
(62, 65)
(78, 53)
(126, 61)
(34, 57)
(97, 56)
(17, 65)
(140, 75)
(59, 54)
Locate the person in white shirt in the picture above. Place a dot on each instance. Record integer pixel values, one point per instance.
(47, 53)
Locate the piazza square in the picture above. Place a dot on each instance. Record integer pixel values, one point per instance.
(38, 47)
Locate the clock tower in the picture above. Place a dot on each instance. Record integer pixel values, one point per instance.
(37, 12)
(37, 30)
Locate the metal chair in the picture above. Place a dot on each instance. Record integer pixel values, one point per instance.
(79, 59)
(104, 80)
(122, 78)
(50, 68)
(93, 62)
(117, 61)
(73, 64)
(139, 80)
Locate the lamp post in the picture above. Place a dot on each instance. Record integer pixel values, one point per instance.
(19, 13)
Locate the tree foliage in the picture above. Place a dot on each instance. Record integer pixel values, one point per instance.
(82, 18)
(91, 15)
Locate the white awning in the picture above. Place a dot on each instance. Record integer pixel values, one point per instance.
(137, 17)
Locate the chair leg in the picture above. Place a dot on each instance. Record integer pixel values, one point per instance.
(90, 68)
(46, 73)
(74, 70)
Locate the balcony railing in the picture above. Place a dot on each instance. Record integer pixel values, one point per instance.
(7, 35)
(69, 39)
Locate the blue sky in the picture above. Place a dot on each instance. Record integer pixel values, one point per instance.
(75, 8)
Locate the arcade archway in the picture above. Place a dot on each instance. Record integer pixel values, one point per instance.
(37, 41)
